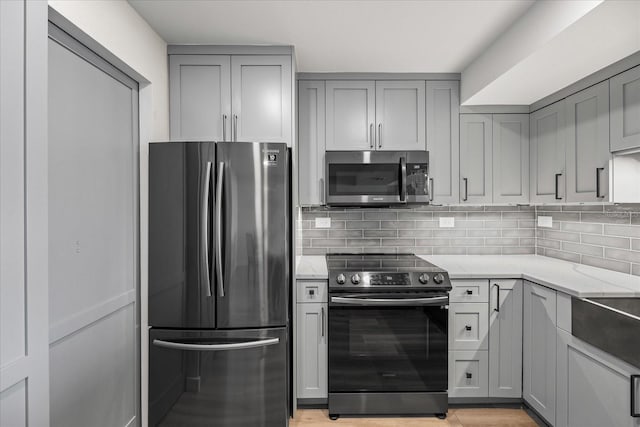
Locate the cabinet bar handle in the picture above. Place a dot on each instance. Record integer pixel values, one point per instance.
(558, 175)
(497, 307)
(466, 189)
(235, 127)
(371, 142)
(224, 127)
(380, 135)
(431, 189)
(634, 412)
(598, 170)
(322, 322)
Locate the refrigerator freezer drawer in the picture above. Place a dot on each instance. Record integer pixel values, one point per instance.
(218, 378)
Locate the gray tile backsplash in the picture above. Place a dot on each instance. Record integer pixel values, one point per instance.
(489, 230)
(604, 236)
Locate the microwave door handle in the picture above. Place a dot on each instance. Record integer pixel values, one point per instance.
(403, 179)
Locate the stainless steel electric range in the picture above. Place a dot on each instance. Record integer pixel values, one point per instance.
(388, 343)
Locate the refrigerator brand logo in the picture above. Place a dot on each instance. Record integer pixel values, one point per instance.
(270, 157)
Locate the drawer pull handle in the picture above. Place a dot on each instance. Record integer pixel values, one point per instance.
(469, 292)
(468, 327)
(469, 375)
(311, 292)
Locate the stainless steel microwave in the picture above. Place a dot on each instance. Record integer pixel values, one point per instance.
(376, 178)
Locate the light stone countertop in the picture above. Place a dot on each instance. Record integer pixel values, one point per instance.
(574, 279)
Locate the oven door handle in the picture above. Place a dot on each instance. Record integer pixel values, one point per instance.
(390, 301)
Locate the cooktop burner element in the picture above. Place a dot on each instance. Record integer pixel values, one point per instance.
(384, 272)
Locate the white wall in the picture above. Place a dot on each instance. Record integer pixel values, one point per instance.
(119, 28)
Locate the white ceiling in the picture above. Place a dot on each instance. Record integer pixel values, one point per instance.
(344, 35)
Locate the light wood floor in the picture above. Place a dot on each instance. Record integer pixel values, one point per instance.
(462, 417)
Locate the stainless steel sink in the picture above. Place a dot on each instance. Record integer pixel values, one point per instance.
(611, 324)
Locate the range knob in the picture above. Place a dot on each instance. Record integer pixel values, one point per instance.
(355, 279)
(424, 278)
(438, 278)
(341, 279)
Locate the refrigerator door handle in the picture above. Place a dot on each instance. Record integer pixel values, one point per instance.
(215, 347)
(204, 227)
(219, 188)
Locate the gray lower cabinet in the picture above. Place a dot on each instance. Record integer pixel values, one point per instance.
(311, 142)
(231, 97)
(311, 340)
(476, 159)
(539, 350)
(468, 326)
(625, 110)
(587, 144)
(510, 158)
(505, 338)
(468, 373)
(443, 140)
(595, 389)
(547, 154)
(350, 115)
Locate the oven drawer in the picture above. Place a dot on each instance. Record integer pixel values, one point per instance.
(468, 326)
(468, 373)
(469, 291)
(312, 291)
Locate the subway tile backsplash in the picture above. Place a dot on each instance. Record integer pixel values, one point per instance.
(605, 236)
(490, 230)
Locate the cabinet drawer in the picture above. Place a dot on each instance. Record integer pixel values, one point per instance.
(312, 291)
(468, 374)
(468, 326)
(469, 291)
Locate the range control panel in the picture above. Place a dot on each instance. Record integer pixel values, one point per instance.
(396, 279)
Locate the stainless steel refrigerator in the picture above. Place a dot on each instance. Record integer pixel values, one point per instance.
(219, 281)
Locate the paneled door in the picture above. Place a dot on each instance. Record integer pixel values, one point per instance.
(510, 158)
(475, 158)
(400, 118)
(311, 142)
(200, 93)
(547, 159)
(24, 365)
(93, 238)
(261, 98)
(587, 147)
(625, 110)
(350, 115)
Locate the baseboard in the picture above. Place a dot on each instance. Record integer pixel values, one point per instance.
(312, 403)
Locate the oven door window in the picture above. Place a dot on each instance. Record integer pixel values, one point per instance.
(372, 179)
(387, 349)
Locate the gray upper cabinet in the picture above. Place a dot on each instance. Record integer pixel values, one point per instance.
(547, 161)
(261, 98)
(539, 350)
(475, 158)
(587, 140)
(350, 115)
(311, 142)
(510, 158)
(200, 91)
(443, 141)
(400, 117)
(594, 388)
(625, 110)
(505, 338)
(231, 97)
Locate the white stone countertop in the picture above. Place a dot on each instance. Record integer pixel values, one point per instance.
(574, 279)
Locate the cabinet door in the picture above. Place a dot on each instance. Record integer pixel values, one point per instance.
(443, 140)
(400, 118)
(200, 97)
(350, 115)
(588, 144)
(547, 154)
(468, 326)
(311, 145)
(594, 388)
(468, 374)
(510, 158)
(625, 110)
(505, 338)
(261, 98)
(312, 350)
(475, 158)
(539, 350)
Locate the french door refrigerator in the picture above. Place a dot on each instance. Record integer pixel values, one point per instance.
(219, 264)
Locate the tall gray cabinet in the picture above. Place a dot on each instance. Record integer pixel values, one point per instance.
(547, 160)
(222, 94)
(476, 158)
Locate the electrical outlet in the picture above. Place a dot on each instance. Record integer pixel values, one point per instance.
(447, 222)
(323, 222)
(545, 221)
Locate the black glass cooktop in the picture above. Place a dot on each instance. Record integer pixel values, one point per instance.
(405, 262)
